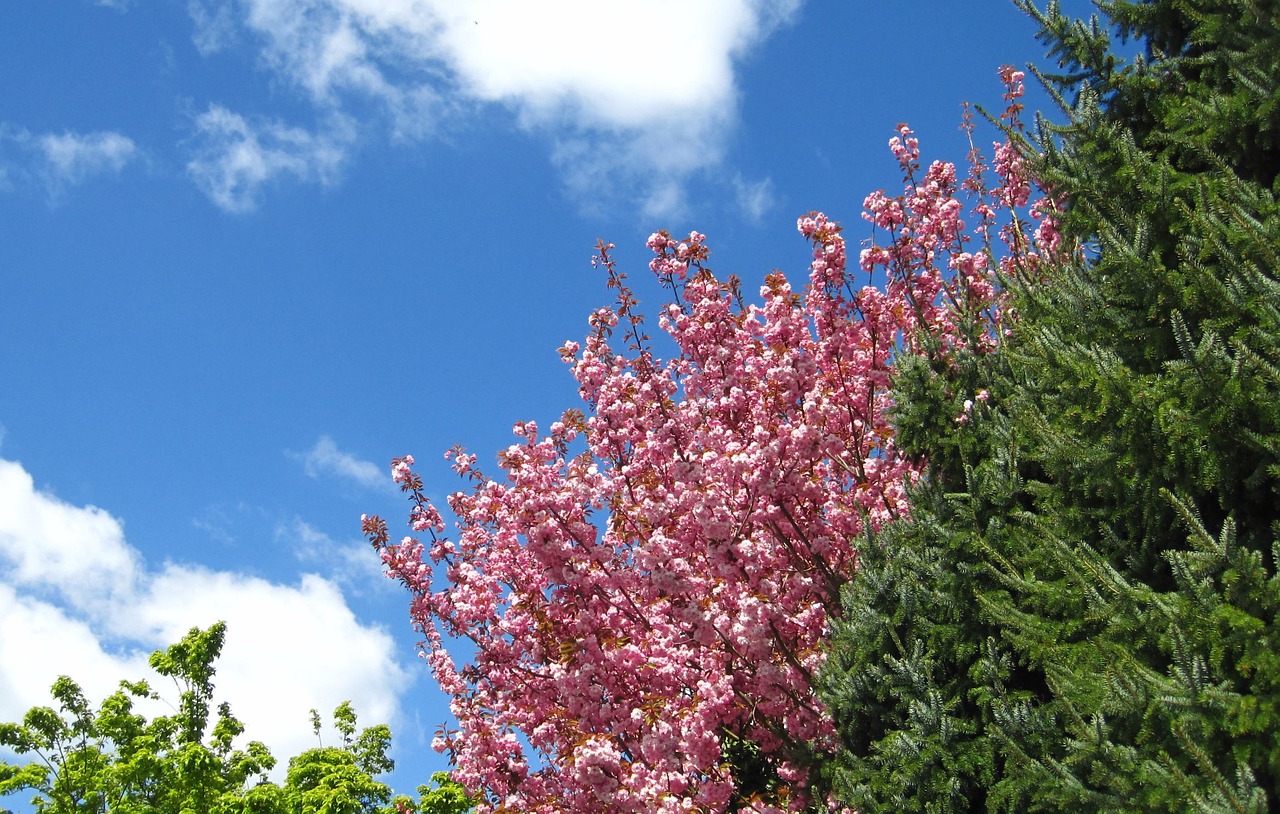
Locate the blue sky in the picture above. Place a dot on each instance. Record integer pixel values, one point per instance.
(252, 249)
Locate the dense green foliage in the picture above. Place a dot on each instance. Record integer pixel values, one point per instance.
(1082, 614)
(113, 759)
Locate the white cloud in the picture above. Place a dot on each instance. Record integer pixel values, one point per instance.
(326, 459)
(235, 158)
(39, 642)
(77, 599)
(289, 649)
(638, 93)
(78, 553)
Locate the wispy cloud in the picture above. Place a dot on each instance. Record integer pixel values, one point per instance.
(640, 95)
(77, 599)
(235, 157)
(73, 157)
(350, 564)
(754, 197)
(220, 521)
(58, 161)
(215, 26)
(325, 459)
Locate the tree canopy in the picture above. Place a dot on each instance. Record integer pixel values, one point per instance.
(984, 519)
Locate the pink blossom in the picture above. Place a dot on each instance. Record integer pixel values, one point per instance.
(658, 573)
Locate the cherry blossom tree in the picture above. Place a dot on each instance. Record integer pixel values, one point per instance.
(647, 586)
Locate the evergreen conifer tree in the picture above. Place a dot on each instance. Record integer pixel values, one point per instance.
(1081, 615)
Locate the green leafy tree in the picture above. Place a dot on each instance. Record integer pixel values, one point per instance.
(444, 796)
(113, 759)
(340, 779)
(1081, 615)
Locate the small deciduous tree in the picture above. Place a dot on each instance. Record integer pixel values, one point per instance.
(113, 760)
(648, 585)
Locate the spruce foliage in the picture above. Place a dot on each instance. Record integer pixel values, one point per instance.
(1081, 615)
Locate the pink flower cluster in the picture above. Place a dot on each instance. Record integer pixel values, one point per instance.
(653, 577)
